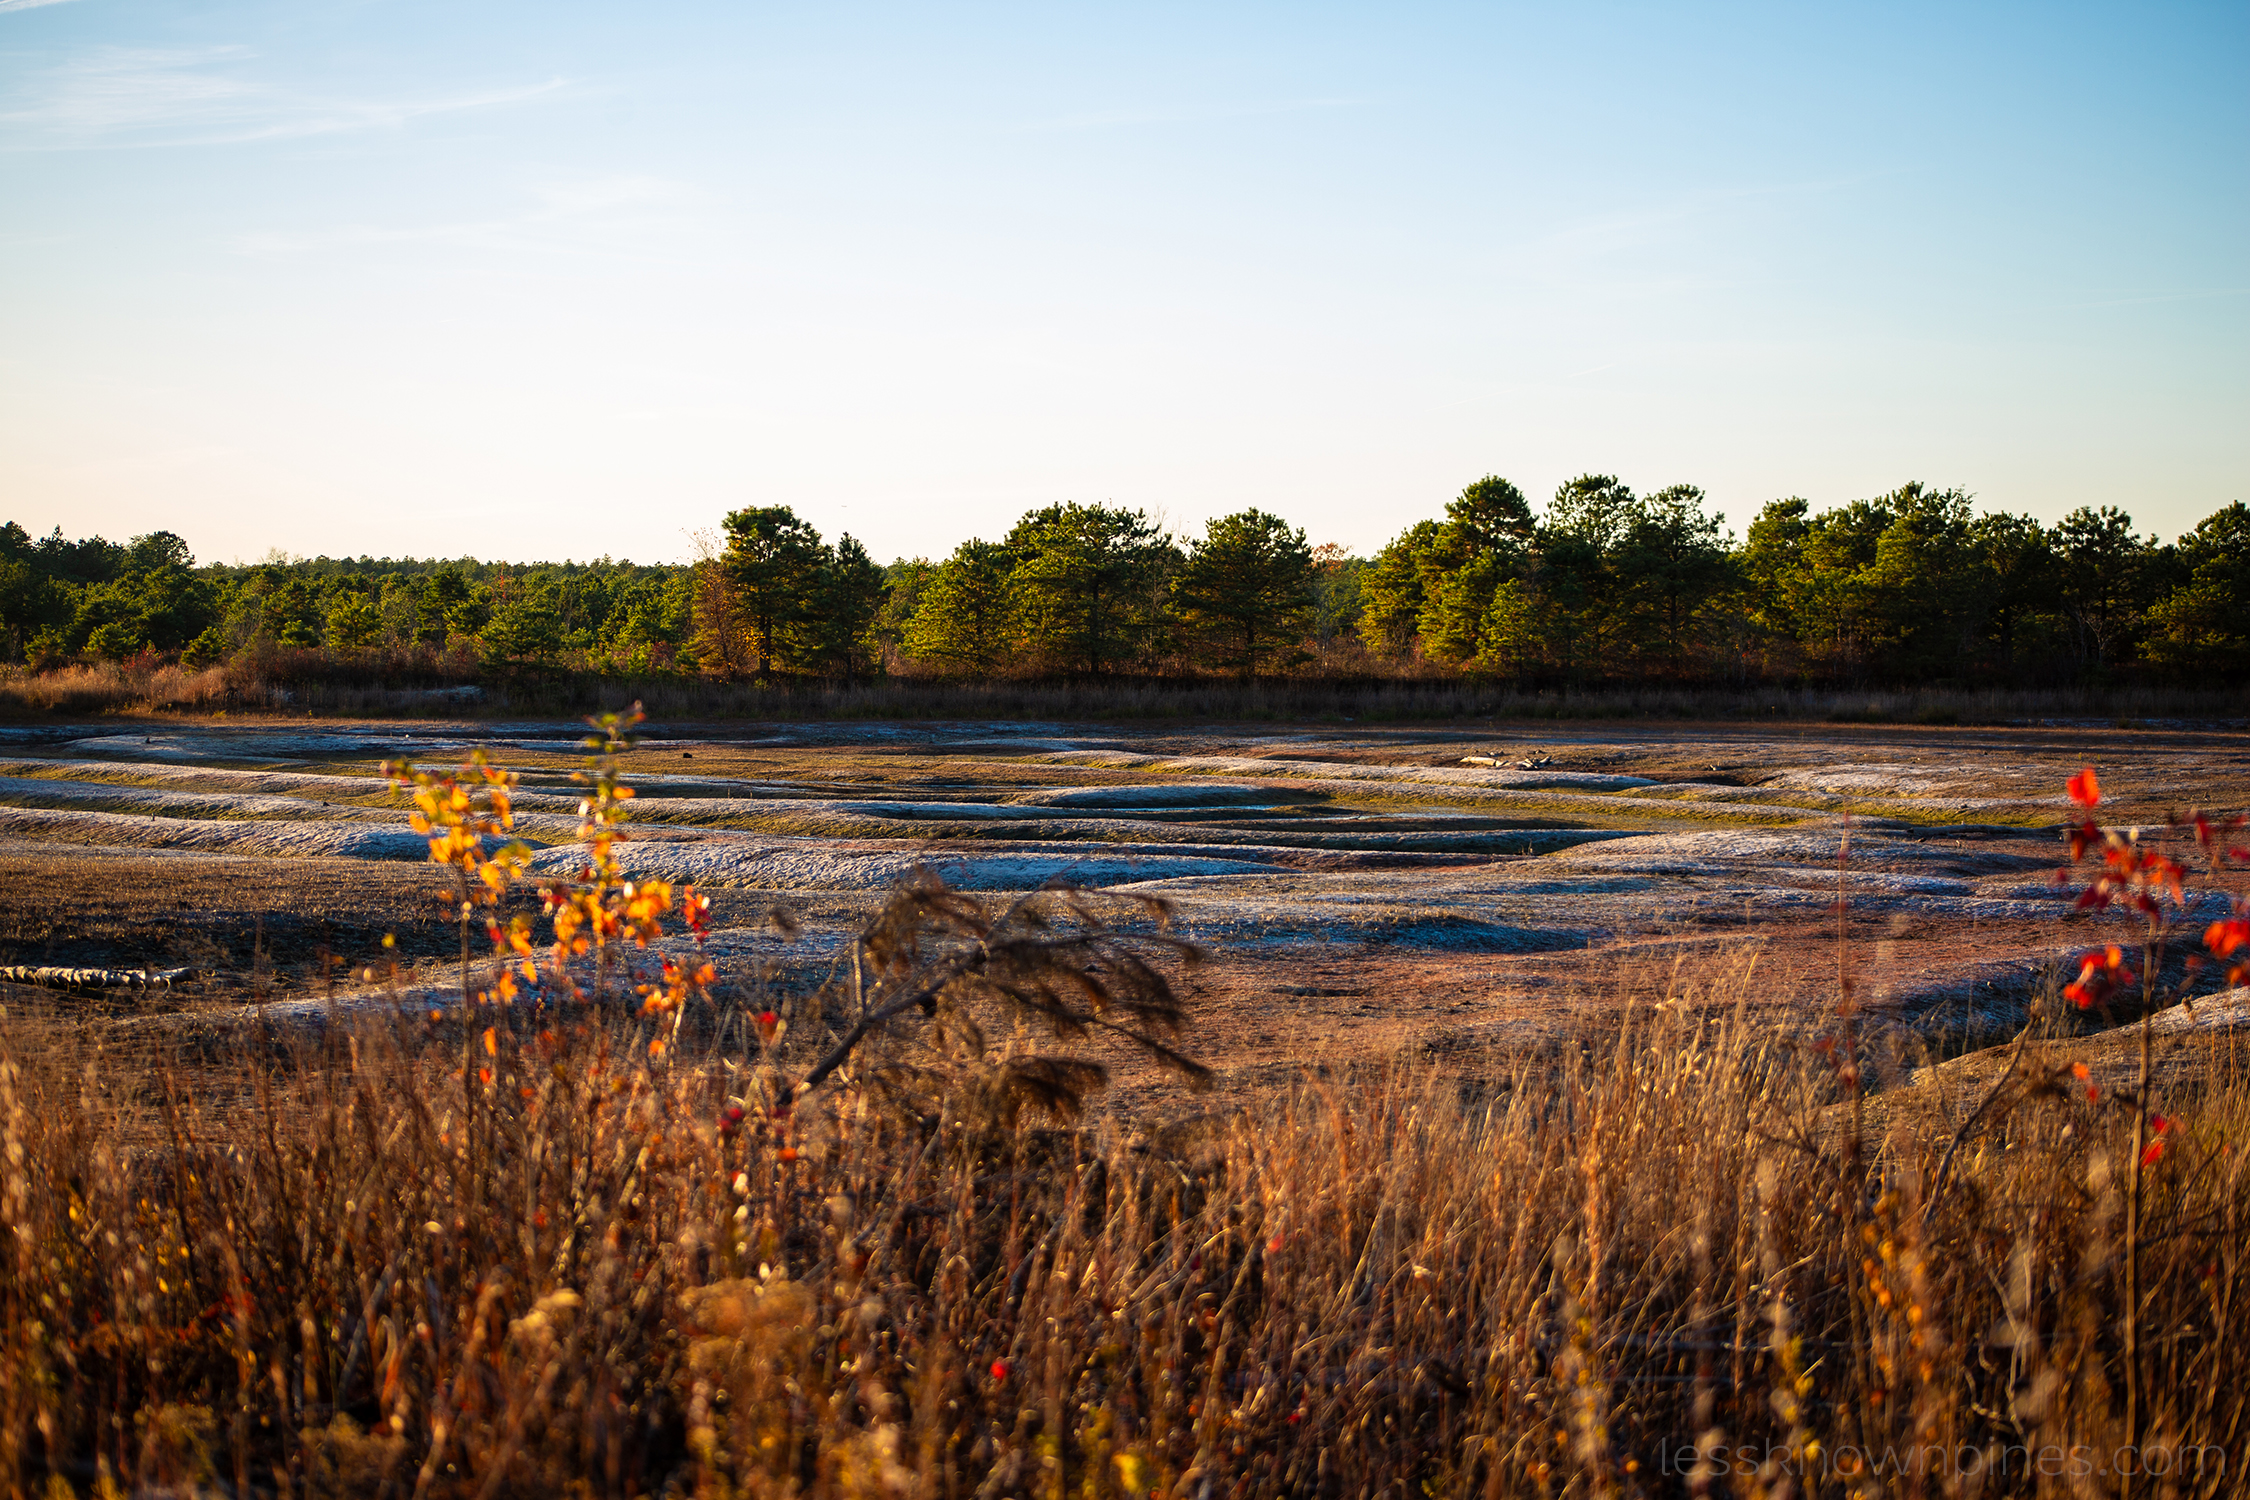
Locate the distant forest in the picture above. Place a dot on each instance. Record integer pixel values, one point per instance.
(1601, 585)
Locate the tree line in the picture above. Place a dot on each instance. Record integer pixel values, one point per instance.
(62, 600)
(1913, 586)
(1073, 589)
(1598, 585)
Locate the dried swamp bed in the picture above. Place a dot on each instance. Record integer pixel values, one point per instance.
(1457, 894)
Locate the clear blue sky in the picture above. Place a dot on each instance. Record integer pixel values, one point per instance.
(559, 279)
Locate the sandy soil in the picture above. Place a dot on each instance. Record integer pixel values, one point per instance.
(1363, 892)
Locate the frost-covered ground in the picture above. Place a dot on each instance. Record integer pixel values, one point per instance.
(1359, 886)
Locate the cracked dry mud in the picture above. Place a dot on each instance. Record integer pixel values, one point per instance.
(1364, 892)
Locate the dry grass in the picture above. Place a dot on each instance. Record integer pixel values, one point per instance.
(425, 685)
(110, 688)
(365, 1270)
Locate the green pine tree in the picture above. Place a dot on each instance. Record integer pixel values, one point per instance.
(1246, 590)
(967, 618)
(1391, 591)
(1090, 577)
(837, 634)
(773, 564)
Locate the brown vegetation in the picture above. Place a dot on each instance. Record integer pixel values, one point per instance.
(1591, 1276)
(280, 684)
(615, 1231)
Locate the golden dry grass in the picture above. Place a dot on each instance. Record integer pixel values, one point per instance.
(367, 1270)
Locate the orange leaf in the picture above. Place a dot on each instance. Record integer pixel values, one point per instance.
(2223, 938)
(2085, 789)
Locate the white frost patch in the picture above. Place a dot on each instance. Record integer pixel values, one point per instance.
(659, 808)
(739, 863)
(211, 777)
(98, 796)
(1868, 880)
(1168, 794)
(174, 747)
(104, 796)
(273, 747)
(1869, 776)
(341, 840)
(1703, 853)
(1328, 770)
(2007, 889)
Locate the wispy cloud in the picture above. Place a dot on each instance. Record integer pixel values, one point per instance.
(602, 215)
(8, 5)
(122, 97)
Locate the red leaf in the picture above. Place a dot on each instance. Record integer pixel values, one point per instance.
(2223, 938)
(2084, 789)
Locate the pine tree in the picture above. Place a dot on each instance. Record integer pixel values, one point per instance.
(1672, 568)
(1457, 600)
(773, 561)
(837, 634)
(1246, 590)
(1089, 577)
(354, 623)
(967, 617)
(1391, 590)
